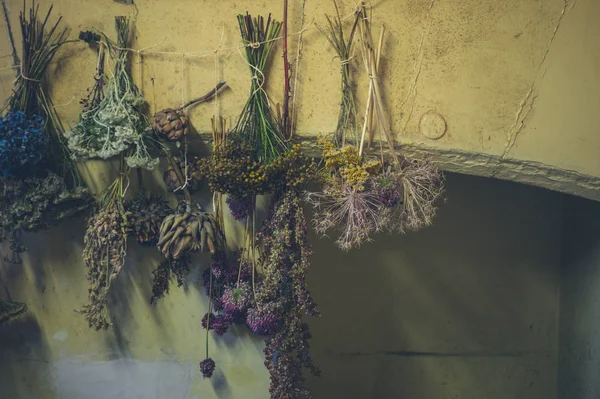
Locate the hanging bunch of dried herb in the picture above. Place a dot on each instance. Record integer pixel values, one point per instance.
(105, 248)
(40, 183)
(117, 125)
(362, 196)
(283, 297)
(257, 125)
(347, 125)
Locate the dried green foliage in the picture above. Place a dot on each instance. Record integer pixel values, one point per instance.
(257, 125)
(116, 124)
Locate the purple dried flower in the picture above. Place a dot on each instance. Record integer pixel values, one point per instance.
(220, 325)
(239, 207)
(237, 299)
(266, 320)
(204, 319)
(207, 367)
(387, 192)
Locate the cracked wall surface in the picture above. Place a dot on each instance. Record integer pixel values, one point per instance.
(514, 80)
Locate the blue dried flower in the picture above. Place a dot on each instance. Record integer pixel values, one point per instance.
(22, 143)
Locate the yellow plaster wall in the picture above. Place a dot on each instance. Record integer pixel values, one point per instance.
(465, 309)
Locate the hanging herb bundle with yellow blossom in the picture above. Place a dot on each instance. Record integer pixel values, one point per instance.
(362, 196)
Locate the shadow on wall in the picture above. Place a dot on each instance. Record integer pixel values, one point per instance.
(25, 370)
(464, 309)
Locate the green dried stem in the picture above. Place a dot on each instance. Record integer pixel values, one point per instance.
(334, 33)
(257, 124)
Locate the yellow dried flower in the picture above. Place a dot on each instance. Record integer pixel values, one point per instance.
(356, 176)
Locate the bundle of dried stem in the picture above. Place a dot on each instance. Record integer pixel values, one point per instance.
(347, 121)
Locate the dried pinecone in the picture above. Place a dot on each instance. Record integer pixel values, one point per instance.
(173, 182)
(171, 124)
(145, 217)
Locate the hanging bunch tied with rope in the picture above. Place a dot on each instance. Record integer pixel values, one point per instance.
(255, 158)
(39, 184)
(116, 124)
(362, 196)
(342, 43)
(105, 248)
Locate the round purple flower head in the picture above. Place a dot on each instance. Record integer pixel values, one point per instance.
(219, 324)
(239, 207)
(237, 299)
(266, 320)
(207, 367)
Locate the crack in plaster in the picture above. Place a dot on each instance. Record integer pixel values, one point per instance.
(412, 90)
(526, 105)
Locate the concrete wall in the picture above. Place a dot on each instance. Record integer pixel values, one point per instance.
(579, 356)
(515, 80)
(465, 309)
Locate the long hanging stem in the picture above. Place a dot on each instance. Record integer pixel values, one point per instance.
(286, 73)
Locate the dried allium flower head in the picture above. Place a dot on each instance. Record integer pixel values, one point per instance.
(266, 320)
(237, 299)
(421, 185)
(207, 367)
(219, 323)
(355, 214)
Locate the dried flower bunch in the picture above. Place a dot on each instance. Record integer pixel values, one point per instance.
(39, 184)
(361, 197)
(36, 203)
(22, 143)
(117, 124)
(189, 229)
(105, 248)
(283, 298)
(145, 216)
